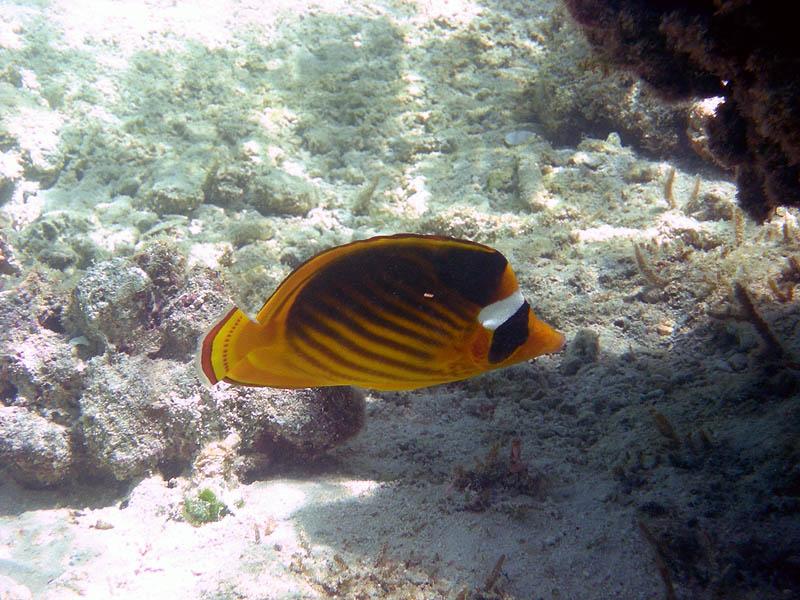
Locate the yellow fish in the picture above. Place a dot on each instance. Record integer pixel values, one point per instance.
(393, 312)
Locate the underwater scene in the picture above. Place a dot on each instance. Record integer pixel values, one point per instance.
(404, 299)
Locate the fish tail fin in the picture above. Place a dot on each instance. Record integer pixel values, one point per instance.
(225, 345)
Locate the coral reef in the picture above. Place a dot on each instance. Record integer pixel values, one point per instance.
(184, 313)
(100, 374)
(38, 366)
(177, 190)
(140, 414)
(574, 102)
(270, 191)
(114, 303)
(203, 154)
(27, 124)
(312, 420)
(742, 51)
(8, 261)
(58, 239)
(572, 96)
(278, 192)
(37, 451)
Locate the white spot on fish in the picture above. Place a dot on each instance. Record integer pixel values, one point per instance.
(497, 313)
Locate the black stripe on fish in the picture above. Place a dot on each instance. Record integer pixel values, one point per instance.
(346, 372)
(325, 331)
(510, 335)
(316, 365)
(412, 304)
(369, 307)
(315, 334)
(393, 306)
(345, 318)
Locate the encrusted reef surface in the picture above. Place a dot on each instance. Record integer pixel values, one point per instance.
(162, 162)
(747, 53)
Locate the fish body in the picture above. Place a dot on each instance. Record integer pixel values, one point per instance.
(393, 312)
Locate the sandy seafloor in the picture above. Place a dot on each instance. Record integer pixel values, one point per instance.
(661, 445)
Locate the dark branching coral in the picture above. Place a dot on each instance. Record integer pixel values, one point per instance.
(745, 51)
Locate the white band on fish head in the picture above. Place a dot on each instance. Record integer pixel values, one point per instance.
(497, 313)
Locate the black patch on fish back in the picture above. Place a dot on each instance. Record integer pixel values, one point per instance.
(366, 317)
(405, 274)
(510, 335)
(475, 274)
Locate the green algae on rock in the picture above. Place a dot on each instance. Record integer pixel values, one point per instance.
(203, 507)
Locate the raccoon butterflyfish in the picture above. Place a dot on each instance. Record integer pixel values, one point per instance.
(392, 312)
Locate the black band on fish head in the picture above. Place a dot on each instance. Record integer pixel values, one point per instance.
(510, 335)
